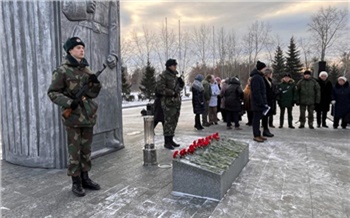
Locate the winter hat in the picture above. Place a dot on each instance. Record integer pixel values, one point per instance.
(199, 77)
(323, 73)
(307, 72)
(72, 42)
(343, 78)
(170, 62)
(218, 79)
(260, 65)
(287, 75)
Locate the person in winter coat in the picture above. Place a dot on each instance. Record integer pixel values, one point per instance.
(207, 95)
(322, 108)
(169, 86)
(224, 85)
(213, 103)
(66, 82)
(308, 94)
(259, 101)
(218, 81)
(286, 98)
(198, 100)
(233, 95)
(270, 97)
(341, 102)
(247, 102)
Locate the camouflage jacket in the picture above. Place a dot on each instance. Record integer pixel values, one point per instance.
(66, 82)
(169, 88)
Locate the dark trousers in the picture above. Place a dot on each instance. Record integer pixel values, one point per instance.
(336, 122)
(223, 114)
(257, 115)
(321, 117)
(310, 111)
(264, 121)
(206, 112)
(290, 116)
(79, 149)
(197, 121)
(232, 116)
(250, 117)
(270, 118)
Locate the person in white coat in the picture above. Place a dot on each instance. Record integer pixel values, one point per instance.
(213, 103)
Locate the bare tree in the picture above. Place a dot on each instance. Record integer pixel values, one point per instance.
(143, 44)
(255, 40)
(126, 50)
(201, 42)
(234, 51)
(166, 45)
(186, 59)
(326, 26)
(306, 49)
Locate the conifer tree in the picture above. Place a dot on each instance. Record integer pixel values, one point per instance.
(278, 65)
(333, 73)
(293, 63)
(125, 84)
(148, 82)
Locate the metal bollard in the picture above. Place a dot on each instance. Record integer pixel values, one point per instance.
(149, 151)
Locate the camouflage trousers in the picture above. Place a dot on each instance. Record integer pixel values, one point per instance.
(171, 117)
(79, 149)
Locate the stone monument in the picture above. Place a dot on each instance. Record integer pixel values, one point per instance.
(208, 171)
(33, 33)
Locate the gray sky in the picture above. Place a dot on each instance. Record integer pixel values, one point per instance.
(286, 18)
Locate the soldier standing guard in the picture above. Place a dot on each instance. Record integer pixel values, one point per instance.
(169, 87)
(66, 82)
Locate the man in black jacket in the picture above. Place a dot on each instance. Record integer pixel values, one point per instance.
(258, 98)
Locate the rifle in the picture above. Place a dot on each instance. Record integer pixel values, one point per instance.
(81, 93)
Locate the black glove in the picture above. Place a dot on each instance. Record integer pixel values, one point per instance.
(74, 104)
(175, 95)
(181, 82)
(93, 78)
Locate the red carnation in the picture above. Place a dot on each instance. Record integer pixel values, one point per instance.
(175, 153)
(183, 152)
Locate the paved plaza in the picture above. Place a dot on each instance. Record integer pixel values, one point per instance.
(297, 173)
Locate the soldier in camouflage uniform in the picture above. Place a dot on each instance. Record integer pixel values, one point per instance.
(169, 87)
(67, 80)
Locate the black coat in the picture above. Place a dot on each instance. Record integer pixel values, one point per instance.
(341, 95)
(270, 95)
(233, 96)
(197, 101)
(326, 95)
(258, 91)
(158, 111)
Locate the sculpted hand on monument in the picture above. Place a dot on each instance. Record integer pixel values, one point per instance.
(112, 61)
(91, 6)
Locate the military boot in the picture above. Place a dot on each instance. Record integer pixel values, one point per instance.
(88, 183)
(174, 144)
(167, 142)
(77, 188)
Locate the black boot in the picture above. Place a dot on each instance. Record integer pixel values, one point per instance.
(167, 142)
(267, 133)
(174, 144)
(77, 188)
(88, 183)
(197, 123)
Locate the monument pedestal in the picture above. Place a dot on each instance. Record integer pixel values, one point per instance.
(193, 179)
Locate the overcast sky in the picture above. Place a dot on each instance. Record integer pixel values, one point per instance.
(286, 18)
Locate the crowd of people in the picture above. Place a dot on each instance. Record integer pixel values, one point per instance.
(261, 97)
